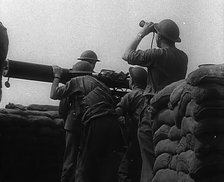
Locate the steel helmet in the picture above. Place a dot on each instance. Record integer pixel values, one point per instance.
(82, 66)
(138, 75)
(88, 55)
(168, 29)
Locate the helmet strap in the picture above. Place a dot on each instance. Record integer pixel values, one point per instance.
(149, 70)
(153, 36)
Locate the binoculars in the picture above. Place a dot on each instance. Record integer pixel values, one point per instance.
(142, 23)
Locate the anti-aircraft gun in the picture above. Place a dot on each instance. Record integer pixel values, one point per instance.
(117, 82)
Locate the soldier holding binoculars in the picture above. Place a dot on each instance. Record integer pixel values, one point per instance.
(165, 64)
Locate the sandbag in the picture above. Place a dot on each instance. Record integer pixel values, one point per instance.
(174, 133)
(178, 117)
(190, 141)
(183, 177)
(161, 134)
(205, 92)
(161, 99)
(31, 144)
(8, 120)
(165, 116)
(199, 95)
(213, 73)
(182, 146)
(42, 107)
(185, 161)
(186, 143)
(162, 162)
(15, 106)
(208, 108)
(188, 125)
(50, 114)
(165, 175)
(173, 162)
(175, 96)
(166, 146)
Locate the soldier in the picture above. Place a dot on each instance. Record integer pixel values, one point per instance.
(130, 107)
(92, 111)
(72, 126)
(89, 56)
(4, 43)
(165, 64)
(64, 108)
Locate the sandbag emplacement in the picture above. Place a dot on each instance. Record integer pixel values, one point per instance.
(31, 143)
(189, 147)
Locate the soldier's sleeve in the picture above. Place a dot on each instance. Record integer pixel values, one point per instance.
(68, 89)
(124, 104)
(144, 58)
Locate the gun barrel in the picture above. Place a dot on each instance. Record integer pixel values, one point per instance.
(32, 71)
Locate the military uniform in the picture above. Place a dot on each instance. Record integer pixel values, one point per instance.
(165, 65)
(131, 105)
(92, 112)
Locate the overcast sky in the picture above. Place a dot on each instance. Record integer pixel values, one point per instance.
(56, 32)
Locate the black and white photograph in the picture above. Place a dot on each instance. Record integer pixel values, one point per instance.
(111, 91)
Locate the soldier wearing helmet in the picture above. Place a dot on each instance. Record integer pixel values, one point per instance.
(87, 62)
(130, 107)
(89, 56)
(90, 124)
(165, 64)
(138, 77)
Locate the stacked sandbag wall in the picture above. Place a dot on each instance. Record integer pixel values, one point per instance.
(166, 136)
(188, 128)
(31, 143)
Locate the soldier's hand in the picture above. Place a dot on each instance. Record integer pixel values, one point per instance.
(147, 28)
(57, 71)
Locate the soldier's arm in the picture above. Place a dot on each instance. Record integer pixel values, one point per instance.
(147, 28)
(57, 76)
